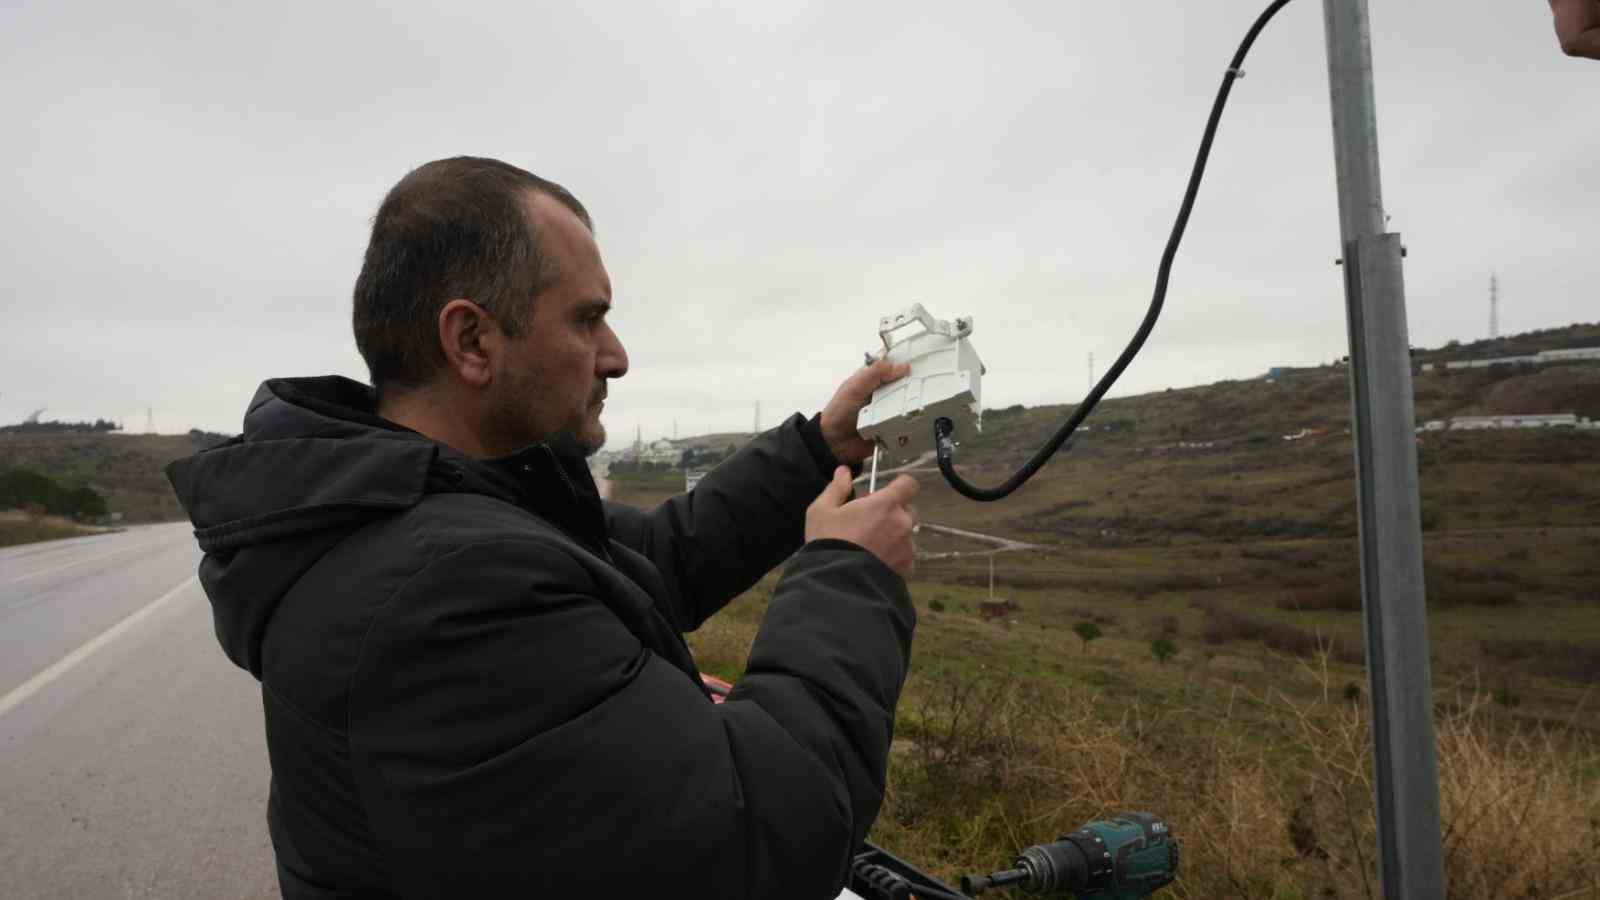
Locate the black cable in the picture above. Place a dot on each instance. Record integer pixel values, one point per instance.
(942, 428)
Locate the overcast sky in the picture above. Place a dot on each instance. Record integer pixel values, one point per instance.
(188, 187)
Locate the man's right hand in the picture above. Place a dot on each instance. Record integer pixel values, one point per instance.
(880, 522)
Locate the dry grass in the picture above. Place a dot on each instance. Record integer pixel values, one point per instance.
(1267, 787)
(18, 527)
(1522, 814)
(1270, 796)
(1225, 624)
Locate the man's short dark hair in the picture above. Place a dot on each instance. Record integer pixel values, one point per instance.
(451, 228)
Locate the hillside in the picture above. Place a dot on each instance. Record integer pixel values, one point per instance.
(1190, 638)
(127, 469)
(1244, 421)
(1523, 344)
(1192, 505)
(1212, 462)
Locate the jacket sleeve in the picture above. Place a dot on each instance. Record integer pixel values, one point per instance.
(747, 516)
(509, 734)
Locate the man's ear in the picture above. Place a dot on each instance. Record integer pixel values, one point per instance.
(470, 339)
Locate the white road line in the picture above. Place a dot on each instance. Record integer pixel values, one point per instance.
(65, 663)
(82, 562)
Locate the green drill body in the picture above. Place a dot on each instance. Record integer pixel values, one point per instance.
(1125, 857)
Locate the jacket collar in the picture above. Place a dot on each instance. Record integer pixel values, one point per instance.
(315, 448)
(547, 479)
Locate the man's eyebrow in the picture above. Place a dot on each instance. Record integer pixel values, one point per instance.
(593, 306)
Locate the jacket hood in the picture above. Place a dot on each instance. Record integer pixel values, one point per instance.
(313, 463)
(313, 456)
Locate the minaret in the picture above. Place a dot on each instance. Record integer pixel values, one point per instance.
(1494, 306)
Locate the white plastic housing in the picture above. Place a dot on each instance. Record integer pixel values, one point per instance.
(944, 381)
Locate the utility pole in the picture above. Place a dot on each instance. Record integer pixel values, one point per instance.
(149, 420)
(1091, 372)
(757, 428)
(1494, 306)
(1405, 771)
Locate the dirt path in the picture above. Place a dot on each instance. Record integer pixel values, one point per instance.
(998, 544)
(1001, 544)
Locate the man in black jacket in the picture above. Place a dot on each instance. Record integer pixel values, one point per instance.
(473, 672)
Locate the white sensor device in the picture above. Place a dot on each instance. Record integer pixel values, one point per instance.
(943, 382)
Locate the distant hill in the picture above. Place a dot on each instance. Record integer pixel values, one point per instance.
(1261, 409)
(1524, 344)
(34, 426)
(1212, 463)
(1244, 422)
(127, 469)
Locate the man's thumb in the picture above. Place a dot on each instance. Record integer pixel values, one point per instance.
(838, 490)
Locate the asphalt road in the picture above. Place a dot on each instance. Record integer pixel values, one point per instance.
(132, 762)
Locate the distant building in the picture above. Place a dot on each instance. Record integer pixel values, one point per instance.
(1481, 423)
(661, 451)
(1547, 420)
(657, 451)
(1542, 358)
(1574, 353)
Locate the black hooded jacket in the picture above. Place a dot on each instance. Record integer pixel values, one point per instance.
(473, 674)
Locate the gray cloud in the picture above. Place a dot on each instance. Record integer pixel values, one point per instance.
(189, 185)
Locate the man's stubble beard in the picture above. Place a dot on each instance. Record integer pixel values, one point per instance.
(585, 440)
(510, 424)
(510, 419)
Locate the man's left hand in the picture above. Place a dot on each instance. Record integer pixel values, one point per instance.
(839, 416)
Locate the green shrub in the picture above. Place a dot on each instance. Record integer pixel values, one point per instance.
(1163, 650)
(26, 489)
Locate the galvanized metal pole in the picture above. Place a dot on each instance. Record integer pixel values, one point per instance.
(1405, 771)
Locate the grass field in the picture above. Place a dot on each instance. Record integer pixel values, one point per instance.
(1252, 737)
(1012, 732)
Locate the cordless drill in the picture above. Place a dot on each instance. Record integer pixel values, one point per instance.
(1128, 856)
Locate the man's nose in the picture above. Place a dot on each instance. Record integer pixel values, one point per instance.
(612, 361)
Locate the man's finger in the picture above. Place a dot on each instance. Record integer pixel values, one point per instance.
(859, 386)
(838, 490)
